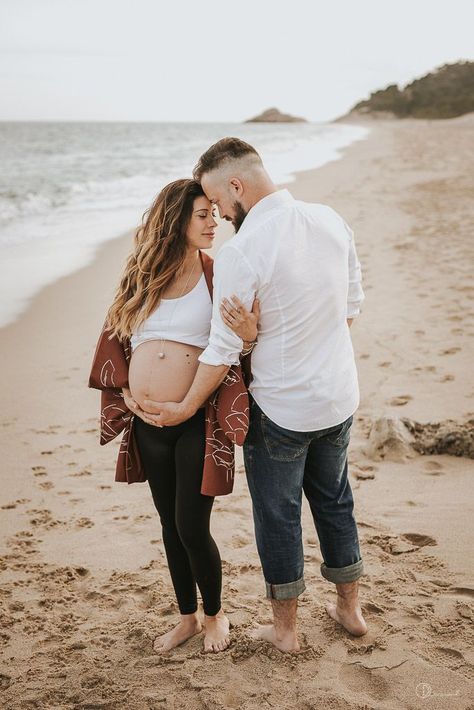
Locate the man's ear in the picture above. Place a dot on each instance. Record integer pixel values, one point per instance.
(236, 187)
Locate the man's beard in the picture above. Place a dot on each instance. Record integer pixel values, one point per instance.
(239, 216)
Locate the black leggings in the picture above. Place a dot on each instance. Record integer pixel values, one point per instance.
(173, 458)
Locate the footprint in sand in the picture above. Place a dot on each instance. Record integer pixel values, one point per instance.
(364, 473)
(84, 472)
(450, 653)
(392, 544)
(419, 540)
(362, 680)
(104, 488)
(462, 591)
(84, 523)
(450, 351)
(4, 639)
(43, 518)
(240, 540)
(363, 524)
(465, 611)
(385, 363)
(46, 485)
(400, 400)
(372, 608)
(5, 681)
(447, 378)
(24, 542)
(364, 356)
(433, 468)
(8, 506)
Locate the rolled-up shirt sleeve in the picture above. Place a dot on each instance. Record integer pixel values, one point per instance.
(233, 275)
(355, 295)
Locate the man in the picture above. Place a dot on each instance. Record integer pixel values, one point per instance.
(301, 261)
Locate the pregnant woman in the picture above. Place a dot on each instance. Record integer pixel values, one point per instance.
(155, 330)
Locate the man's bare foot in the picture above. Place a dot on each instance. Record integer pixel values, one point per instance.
(216, 633)
(347, 611)
(350, 618)
(187, 627)
(286, 642)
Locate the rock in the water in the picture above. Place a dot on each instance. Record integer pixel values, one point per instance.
(273, 115)
(389, 439)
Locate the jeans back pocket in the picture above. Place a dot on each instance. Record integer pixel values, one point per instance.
(282, 444)
(340, 435)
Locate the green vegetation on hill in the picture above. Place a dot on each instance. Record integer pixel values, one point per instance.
(444, 93)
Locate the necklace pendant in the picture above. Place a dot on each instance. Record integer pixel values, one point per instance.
(161, 355)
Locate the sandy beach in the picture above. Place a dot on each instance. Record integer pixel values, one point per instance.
(84, 586)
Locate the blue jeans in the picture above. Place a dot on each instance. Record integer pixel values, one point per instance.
(280, 465)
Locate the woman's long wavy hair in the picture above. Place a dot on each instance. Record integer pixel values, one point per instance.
(158, 255)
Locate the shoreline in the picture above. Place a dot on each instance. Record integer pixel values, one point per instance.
(85, 581)
(87, 252)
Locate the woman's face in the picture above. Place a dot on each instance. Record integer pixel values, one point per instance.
(202, 225)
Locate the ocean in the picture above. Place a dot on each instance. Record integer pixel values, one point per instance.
(65, 188)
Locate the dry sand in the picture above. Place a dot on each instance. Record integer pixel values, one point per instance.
(84, 584)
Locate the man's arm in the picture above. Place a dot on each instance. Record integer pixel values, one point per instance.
(232, 275)
(355, 295)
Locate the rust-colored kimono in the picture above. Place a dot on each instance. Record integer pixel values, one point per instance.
(226, 413)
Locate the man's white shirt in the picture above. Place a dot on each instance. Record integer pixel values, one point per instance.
(300, 260)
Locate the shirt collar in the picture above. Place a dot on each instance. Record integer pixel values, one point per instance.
(267, 203)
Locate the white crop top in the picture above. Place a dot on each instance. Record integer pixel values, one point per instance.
(190, 318)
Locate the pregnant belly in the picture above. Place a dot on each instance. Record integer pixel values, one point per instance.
(162, 379)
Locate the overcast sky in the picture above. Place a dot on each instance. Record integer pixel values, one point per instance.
(215, 60)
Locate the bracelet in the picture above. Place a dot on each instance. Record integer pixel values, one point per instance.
(247, 351)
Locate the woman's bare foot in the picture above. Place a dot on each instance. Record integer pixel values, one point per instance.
(216, 633)
(187, 627)
(284, 642)
(351, 619)
(347, 611)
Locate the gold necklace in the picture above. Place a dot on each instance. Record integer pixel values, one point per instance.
(161, 354)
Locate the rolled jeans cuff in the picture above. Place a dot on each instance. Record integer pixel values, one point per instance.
(289, 590)
(340, 575)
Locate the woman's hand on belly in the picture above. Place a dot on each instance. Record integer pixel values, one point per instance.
(135, 408)
(129, 401)
(160, 379)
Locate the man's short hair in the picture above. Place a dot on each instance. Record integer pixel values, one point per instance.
(223, 151)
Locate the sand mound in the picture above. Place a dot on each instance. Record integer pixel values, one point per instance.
(448, 437)
(398, 439)
(389, 439)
